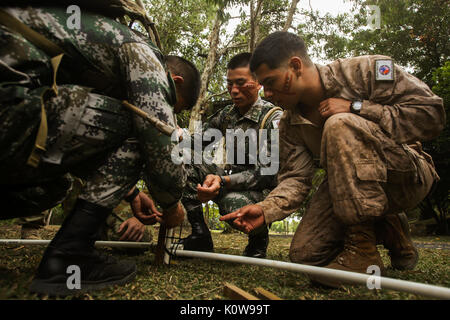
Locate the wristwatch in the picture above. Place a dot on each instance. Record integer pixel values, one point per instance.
(132, 196)
(355, 106)
(222, 186)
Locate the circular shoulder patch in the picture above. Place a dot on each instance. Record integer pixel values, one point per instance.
(384, 70)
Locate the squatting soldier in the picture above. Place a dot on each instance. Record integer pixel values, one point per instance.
(240, 183)
(65, 115)
(362, 117)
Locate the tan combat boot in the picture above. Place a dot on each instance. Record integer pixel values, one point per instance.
(359, 253)
(393, 233)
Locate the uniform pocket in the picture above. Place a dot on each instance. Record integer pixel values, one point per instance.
(371, 170)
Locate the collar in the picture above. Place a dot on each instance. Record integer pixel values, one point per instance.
(331, 85)
(253, 114)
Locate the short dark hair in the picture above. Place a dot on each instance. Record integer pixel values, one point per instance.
(239, 61)
(186, 69)
(277, 48)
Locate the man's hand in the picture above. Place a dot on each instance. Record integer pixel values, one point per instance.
(179, 134)
(210, 188)
(145, 210)
(331, 106)
(247, 218)
(173, 217)
(134, 230)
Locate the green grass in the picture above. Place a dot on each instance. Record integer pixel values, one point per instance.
(195, 279)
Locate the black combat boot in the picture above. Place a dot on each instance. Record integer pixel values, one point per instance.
(200, 237)
(72, 251)
(258, 242)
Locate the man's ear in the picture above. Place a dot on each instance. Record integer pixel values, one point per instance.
(178, 79)
(296, 64)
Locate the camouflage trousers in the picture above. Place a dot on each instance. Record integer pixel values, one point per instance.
(228, 201)
(368, 176)
(96, 146)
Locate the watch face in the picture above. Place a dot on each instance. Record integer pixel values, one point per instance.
(357, 105)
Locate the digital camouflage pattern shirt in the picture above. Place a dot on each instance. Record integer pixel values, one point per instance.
(105, 62)
(247, 176)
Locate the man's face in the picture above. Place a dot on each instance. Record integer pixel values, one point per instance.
(278, 85)
(242, 86)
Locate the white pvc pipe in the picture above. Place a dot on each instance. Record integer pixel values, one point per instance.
(353, 277)
(111, 244)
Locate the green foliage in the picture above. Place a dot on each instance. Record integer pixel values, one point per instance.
(212, 218)
(441, 87)
(185, 26)
(286, 226)
(413, 32)
(438, 204)
(182, 26)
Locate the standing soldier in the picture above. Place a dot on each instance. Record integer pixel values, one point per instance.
(242, 182)
(65, 115)
(363, 118)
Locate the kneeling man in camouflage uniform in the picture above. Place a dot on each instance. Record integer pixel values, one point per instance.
(362, 119)
(241, 181)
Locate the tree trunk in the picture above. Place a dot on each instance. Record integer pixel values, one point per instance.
(211, 60)
(255, 17)
(290, 16)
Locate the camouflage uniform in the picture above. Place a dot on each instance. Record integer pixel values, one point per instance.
(247, 184)
(90, 134)
(374, 164)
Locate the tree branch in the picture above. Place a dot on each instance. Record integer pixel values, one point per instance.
(290, 16)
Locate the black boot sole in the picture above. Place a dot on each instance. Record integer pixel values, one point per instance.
(57, 286)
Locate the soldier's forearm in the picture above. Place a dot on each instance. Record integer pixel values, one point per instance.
(405, 129)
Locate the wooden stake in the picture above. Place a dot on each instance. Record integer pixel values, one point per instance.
(161, 245)
(235, 293)
(263, 294)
